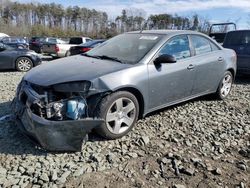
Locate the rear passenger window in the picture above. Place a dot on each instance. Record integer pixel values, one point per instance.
(214, 47)
(201, 45)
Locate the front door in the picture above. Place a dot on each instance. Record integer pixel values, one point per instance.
(169, 83)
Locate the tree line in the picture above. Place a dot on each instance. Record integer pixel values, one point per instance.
(42, 19)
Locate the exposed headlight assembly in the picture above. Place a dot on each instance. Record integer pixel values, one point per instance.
(77, 86)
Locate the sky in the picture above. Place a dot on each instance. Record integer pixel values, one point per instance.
(213, 10)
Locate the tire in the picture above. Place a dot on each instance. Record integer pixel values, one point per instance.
(225, 86)
(122, 119)
(24, 64)
(67, 54)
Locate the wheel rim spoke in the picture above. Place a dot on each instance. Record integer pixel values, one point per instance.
(119, 104)
(117, 127)
(127, 120)
(129, 108)
(111, 117)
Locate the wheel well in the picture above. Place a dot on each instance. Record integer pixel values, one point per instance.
(138, 96)
(232, 72)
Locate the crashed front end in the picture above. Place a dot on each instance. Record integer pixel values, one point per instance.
(58, 117)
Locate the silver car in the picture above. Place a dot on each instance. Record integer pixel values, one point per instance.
(123, 79)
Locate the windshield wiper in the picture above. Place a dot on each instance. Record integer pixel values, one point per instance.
(110, 58)
(94, 56)
(103, 57)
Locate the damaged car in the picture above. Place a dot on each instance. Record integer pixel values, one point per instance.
(108, 88)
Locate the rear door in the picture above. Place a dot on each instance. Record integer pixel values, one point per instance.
(239, 41)
(208, 64)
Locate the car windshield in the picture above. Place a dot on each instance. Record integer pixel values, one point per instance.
(127, 48)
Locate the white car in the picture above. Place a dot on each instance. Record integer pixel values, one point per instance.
(2, 35)
(63, 49)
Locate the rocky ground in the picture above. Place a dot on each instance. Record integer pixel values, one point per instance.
(201, 143)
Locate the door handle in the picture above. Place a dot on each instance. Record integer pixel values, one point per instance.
(220, 59)
(190, 67)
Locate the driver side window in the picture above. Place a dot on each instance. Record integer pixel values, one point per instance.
(178, 47)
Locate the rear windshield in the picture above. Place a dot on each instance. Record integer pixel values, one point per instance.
(76, 40)
(237, 38)
(222, 28)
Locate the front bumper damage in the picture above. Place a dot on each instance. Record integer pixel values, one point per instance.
(59, 135)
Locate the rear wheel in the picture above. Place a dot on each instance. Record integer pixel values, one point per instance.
(67, 54)
(24, 64)
(225, 86)
(120, 111)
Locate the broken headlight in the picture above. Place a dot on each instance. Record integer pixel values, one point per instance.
(77, 86)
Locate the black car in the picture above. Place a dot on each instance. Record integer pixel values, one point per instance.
(15, 42)
(20, 59)
(82, 48)
(36, 44)
(239, 41)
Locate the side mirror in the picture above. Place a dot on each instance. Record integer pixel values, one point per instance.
(165, 58)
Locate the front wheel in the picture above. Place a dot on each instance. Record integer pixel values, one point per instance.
(24, 64)
(120, 111)
(225, 86)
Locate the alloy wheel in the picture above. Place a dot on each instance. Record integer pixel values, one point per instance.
(226, 85)
(24, 65)
(121, 115)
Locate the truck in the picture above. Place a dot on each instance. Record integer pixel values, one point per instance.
(63, 49)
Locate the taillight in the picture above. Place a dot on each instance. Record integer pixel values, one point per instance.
(57, 48)
(85, 49)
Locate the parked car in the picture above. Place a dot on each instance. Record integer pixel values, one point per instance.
(36, 44)
(119, 81)
(239, 41)
(84, 47)
(218, 31)
(63, 49)
(20, 59)
(15, 42)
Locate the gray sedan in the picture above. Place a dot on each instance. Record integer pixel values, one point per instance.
(123, 79)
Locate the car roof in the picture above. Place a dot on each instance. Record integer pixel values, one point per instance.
(166, 32)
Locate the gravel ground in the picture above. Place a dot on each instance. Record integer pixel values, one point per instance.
(200, 143)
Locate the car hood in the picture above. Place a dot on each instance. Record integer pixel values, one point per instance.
(74, 68)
